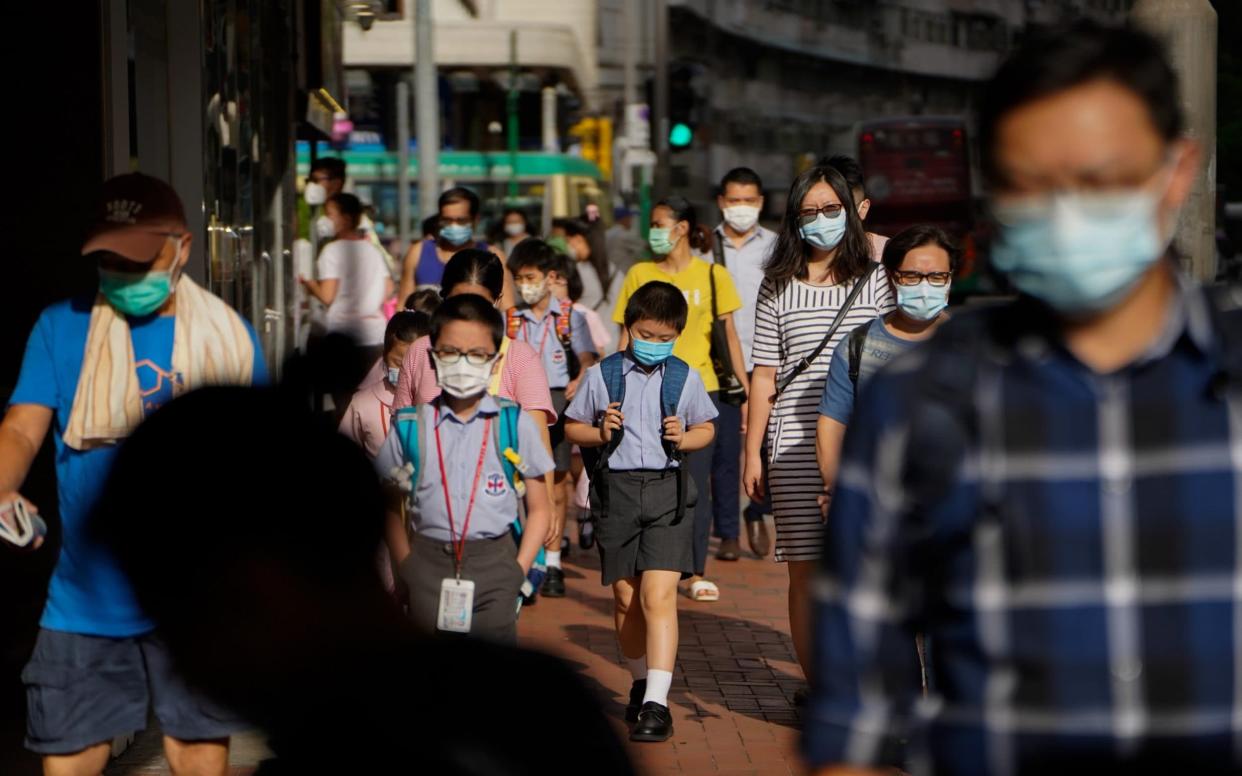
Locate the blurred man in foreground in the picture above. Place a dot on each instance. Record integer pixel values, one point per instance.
(1050, 489)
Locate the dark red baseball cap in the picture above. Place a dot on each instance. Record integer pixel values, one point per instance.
(136, 214)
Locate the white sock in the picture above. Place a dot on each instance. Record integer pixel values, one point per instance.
(552, 559)
(658, 684)
(638, 667)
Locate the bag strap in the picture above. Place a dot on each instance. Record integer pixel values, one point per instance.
(805, 362)
(505, 433)
(711, 275)
(513, 323)
(408, 422)
(676, 372)
(858, 337)
(718, 250)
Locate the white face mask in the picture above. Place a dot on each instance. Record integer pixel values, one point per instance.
(325, 228)
(531, 293)
(315, 194)
(462, 380)
(394, 375)
(741, 217)
(513, 230)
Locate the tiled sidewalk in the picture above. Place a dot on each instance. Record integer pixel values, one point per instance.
(732, 695)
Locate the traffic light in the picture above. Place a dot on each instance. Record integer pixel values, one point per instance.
(683, 107)
(595, 135)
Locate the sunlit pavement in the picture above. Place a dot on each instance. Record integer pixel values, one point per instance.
(732, 694)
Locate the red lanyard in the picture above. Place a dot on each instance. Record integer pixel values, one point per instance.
(385, 412)
(543, 341)
(459, 546)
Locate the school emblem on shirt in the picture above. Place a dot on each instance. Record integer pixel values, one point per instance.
(495, 485)
(558, 357)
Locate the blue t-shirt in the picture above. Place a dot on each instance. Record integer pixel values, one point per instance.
(88, 593)
(879, 347)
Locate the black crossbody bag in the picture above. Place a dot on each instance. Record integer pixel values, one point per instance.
(805, 363)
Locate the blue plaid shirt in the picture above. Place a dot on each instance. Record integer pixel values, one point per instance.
(1069, 542)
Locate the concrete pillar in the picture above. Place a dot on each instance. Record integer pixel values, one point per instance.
(1188, 30)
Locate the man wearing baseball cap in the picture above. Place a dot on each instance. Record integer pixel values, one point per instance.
(94, 368)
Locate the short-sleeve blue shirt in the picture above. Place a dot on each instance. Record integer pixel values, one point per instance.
(88, 593)
(879, 347)
(495, 503)
(541, 335)
(641, 445)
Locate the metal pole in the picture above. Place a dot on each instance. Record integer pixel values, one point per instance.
(661, 96)
(427, 109)
(1188, 29)
(551, 137)
(629, 55)
(511, 107)
(403, 163)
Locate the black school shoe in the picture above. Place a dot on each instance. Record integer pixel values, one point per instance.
(655, 723)
(554, 585)
(637, 691)
(586, 533)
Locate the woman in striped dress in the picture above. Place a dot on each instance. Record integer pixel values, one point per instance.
(822, 252)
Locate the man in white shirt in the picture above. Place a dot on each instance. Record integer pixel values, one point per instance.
(743, 247)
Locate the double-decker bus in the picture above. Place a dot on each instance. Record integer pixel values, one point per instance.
(918, 172)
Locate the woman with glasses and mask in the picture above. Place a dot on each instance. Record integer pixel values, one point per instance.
(919, 262)
(424, 261)
(821, 254)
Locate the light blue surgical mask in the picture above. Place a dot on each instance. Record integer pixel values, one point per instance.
(824, 233)
(1080, 253)
(457, 234)
(394, 375)
(924, 301)
(651, 353)
(658, 239)
(136, 294)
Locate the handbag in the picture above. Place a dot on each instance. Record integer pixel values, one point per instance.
(805, 362)
(731, 390)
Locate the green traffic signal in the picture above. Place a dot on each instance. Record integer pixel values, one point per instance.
(680, 136)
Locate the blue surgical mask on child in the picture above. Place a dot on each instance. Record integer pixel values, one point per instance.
(924, 301)
(650, 353)
(394, 375)
(824, 232)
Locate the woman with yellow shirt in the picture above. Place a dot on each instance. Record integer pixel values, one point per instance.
(674, 235)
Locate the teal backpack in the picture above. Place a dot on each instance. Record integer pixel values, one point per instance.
(505, 443)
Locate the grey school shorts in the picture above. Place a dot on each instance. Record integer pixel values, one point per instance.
(636, 524)
(83, 690)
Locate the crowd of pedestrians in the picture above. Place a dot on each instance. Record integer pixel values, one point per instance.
(1013, 535)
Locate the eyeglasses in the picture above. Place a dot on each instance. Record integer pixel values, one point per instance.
(909, 278)
(451, 356)
(808, 215)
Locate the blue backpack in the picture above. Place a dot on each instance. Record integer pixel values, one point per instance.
(505, 442)
(676, 371)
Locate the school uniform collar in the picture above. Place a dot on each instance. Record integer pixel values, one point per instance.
(628, 364)
(554, 309)
(487, 407)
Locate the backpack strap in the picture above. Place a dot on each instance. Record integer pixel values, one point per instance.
(611, 369)
(676, 372)
(858, 337)
(513, 323)
(505, 436)
(408, 425)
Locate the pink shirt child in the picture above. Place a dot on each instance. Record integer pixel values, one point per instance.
(522, 378)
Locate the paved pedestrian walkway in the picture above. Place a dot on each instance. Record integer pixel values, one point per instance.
(732, 695)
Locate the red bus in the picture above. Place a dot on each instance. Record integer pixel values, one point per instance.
(918, 172)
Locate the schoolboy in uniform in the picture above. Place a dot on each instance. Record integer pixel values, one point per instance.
(562, 338)
(641, 499)
(461, 565)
